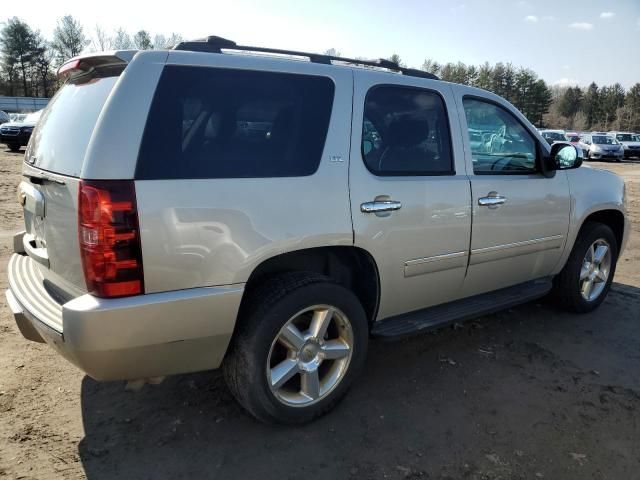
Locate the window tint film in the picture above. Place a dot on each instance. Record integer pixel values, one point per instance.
(499, 143)
(406, 132)
(222, 123)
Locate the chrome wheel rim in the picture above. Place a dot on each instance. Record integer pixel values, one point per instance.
(310, 355)
(595, 270)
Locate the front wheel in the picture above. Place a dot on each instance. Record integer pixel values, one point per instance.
(301, 341)
(14, 148)
(584, 282)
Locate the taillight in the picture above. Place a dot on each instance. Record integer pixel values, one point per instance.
(110, 238)
(67, 68)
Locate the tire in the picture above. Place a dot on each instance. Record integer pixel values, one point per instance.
(257, 348)
(568, 286)
(14, 148)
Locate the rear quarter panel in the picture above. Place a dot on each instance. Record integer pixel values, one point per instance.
(217, 231)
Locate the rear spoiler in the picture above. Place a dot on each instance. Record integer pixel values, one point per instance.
(86, 63)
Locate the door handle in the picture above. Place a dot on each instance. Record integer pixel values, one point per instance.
(380, 206)
(493, 200)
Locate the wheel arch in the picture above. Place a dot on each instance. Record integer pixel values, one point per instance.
(352, 267)
(614, 219)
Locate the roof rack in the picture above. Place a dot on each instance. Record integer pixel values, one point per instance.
(213, 44)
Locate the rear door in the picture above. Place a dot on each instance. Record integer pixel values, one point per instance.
(520, 217)
(410, 196)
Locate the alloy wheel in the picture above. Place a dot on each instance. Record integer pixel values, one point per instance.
(595, 270)
(310, 355)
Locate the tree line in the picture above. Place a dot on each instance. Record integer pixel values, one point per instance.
(605, 108)
(28, 62)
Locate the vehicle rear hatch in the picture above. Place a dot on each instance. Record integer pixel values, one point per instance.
(52, 169)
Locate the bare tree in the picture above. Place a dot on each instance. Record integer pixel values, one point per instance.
(332, 52)
(173, 40)
(122, 40)
(102, 41)
(580, 121)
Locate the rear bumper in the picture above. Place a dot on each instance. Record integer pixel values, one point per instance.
(126, 338)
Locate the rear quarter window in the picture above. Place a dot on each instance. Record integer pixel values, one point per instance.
(221, 123)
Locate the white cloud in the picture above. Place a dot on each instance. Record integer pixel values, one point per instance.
(524, 4)
(458, 8)
(566, 82)
(581, 25)
(607, 15)
(531, 19)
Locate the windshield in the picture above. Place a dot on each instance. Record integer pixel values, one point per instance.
(554, 136)
(574, 138)
(625, 137)
(604, 140)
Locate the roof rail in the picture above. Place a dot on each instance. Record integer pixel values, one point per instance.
(213, 44)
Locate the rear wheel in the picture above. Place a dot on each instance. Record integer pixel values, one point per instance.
(301, 341)
(584, 282)
(14, 148)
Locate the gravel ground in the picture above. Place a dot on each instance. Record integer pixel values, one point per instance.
(531, 392)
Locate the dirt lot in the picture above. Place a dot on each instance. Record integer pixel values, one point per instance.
(529, 393)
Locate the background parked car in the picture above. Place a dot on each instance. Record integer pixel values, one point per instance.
(17, 134)
(630, 143)
(4, 117)
(552, 136)
(598, 146)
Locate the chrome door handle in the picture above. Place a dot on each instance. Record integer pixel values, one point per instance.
(380, 206)
(492, 200)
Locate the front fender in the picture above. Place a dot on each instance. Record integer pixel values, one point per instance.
(592, 190)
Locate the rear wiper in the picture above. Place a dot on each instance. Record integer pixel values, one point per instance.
(39, 178)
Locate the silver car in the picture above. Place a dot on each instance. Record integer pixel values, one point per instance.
(630, 143)
(270, 215)
(600, 146)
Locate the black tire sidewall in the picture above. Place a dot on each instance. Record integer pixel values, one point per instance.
(263, 324)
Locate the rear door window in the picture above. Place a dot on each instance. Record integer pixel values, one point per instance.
(222, 123)
(405, 132)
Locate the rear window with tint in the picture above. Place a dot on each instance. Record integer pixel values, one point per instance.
(60, 139)
(221, 123)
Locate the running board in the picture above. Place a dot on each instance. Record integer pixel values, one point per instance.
(460, 310)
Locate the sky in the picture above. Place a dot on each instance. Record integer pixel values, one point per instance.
(567, 42)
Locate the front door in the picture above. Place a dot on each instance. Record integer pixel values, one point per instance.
(410, 196)
(520, 217)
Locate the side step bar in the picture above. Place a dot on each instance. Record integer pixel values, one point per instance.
(393, 328)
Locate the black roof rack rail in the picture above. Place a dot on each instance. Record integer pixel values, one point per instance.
(213, 44)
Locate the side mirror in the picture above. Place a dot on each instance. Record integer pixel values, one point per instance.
(565, 156)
